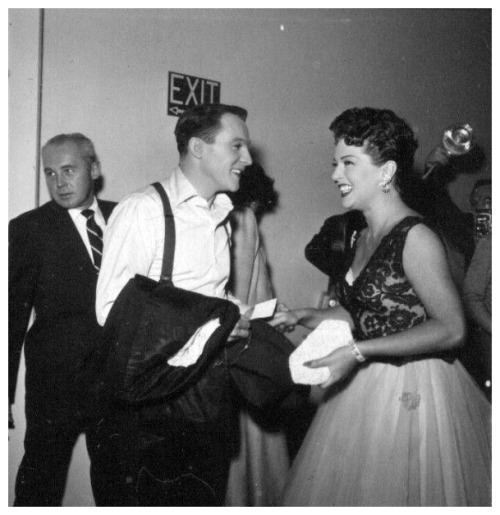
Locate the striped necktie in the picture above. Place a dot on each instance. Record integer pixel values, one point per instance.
(94, 233)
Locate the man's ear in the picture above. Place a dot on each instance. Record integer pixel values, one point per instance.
(195, 147)
(95, 170)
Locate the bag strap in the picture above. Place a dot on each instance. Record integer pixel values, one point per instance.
(168, 250)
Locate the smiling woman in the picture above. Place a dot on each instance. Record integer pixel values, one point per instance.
(356, 175)
(401, 445)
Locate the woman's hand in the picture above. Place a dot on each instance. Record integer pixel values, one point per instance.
(310, 318)
(284, 320)
(341, 362)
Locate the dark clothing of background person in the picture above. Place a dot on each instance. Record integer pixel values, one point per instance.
(329, 249)
(477, 356)
(456, 227)
(51, 271)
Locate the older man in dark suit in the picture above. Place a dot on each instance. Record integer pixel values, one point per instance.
(54, 260)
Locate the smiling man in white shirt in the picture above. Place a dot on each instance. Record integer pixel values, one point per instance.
(213, 143)
(211, 162)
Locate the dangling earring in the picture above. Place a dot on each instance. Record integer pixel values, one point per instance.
(384, 186)
(386, 179)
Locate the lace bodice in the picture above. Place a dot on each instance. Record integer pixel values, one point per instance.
(381, 300)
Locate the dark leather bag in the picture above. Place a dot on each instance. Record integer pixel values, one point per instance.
(148, 324)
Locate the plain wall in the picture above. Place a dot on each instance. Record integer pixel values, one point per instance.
(106, 75)
(22, 156)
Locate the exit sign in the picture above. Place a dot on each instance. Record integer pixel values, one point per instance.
(186, 91)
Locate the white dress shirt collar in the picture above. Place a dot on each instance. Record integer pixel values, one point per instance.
(181, 190)
(75, 212)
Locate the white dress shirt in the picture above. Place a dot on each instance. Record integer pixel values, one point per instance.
(134, 238)
(80, 222)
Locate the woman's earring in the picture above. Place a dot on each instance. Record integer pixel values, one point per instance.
(386, 178)
(384, 186)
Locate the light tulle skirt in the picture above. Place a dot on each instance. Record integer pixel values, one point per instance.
(411, 435)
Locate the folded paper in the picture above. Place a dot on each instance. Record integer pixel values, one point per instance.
(264, 309)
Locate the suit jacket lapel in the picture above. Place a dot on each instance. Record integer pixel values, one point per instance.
(106, 208)
(72, 239)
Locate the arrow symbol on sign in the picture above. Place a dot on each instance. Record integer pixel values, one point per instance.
(176, 110)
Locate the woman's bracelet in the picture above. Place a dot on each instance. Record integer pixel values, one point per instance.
(356, 352)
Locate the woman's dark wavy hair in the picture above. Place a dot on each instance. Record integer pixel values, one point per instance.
(385, 136)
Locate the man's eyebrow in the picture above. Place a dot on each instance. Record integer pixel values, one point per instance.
(244, 140)
(62, 167)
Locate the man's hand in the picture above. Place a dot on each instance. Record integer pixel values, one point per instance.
(11, 418)
(241, 329)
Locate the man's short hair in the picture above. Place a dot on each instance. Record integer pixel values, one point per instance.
(84, 143)
(203, 121)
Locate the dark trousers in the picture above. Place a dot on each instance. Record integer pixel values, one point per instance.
(190, 470)
(142, 466)
(48, 447)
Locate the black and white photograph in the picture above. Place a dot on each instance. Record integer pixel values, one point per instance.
(250, 256)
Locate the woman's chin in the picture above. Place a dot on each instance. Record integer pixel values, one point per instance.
(347, 202)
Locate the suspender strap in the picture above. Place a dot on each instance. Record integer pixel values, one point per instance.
(169, 245)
